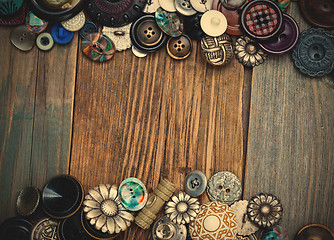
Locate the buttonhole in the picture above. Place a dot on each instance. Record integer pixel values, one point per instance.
(282, 37)
(227, 190)
(21, 39)
(45, 41)
(316, 56)
(220, 187)
(315, 48)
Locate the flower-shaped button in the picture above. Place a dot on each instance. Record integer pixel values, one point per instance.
(248, 52)
(104, 210)
(195, 183)
(133, 194)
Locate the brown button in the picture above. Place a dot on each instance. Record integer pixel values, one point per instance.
(180, 47)
(315, 231)
(318, 13)
(149, 34)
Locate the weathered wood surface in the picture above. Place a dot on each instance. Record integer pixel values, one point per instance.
(290, 142)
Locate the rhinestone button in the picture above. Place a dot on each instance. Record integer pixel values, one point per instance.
(195, 183)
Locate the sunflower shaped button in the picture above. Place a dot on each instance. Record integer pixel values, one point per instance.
(35, 24)
(133, 194)
(248, 52)
(224, 187)
(217, 50)
(195, 183)
(215, 221)
(318, 13)
(315, 231)
(98, 47)
(104, 210)
(262, 19)
(274, 233)
(169, 22)
(314, 53)
(164, 229)
(179, 47)
(265, 210)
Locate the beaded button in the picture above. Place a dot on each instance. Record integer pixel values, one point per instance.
(133, 194)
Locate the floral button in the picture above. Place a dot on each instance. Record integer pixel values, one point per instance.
(133, 194)
(248, 52)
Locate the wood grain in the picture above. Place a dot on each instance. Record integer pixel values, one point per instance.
(155, 117)
(290, 143)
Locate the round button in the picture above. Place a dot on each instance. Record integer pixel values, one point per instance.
(151, 6)
(167, 5)
(88, 27)
(232, 4)
(184, 7)
(74, 24)
(10, 7)
(192, 26)
(35, 24)
(28, 201)
(262, 19)
(22, 38)
(169, 22)
(201, 6)
(314, 52)
(98, 47)
(248, 52)
(137, 52)
(164, 229)
(56, 4)
(179, 47)
(318, 13)
(61, 35)
(133, 194)
(213, 23)
(286, 40)
(15, 228)
(224, 187)
(71, 229)
(195, 183)
(45, 229)
(316, 232)
(44, 41)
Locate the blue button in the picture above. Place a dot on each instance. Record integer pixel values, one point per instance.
(88, 28)
(61, 35)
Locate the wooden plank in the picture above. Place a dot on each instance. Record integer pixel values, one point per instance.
(155, 117)
(17, 98)
(291, 137)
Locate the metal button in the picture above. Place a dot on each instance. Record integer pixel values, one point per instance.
(201, 6)
(45, 229)
(167, 5)
(35, 24)
(316, 232)
(120, 36)
(318, 13)
(170, 23)
(133, 194)
(98, 47)
(248, 52)
(213, 23)
(164, 229)
(28, 201)
(232, 4)
(179, 47)
(195, 183)
(74, 24)
(61, 35)
(89, 27)
(224, 187)
(22, 38)
(44, 41)
(15, 228)
(184, 7)
(10, 7)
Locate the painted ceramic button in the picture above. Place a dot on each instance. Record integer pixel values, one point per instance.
(248, 52)
(264, 209)
(62, 196)
(22, 38)
(120, 36)
(167, 5)
(315, 231)
(217, 50)
(15, 228)
(262, 19)
(179, 47)
(274, 233)
(61, 35)
(45, 229)
(232, 4)
(14, 19)
(164, 228)
(133, 194)
(28, 201)
(151, 6)
(44, 41)
(214, 221)
(146, 35)
(192, 26)
(184, 7)
(283, 4)
(213, 23)
(245, 226)
(314, 53)
(286, 40)
(201, 6)
(138, 53)
(318, 13)
(8, 7)
(115, 13)
(170, 23)
(195, 183)
(35, 24)
(98, 47)
(74, 24)
(89, 27)
(224, 187)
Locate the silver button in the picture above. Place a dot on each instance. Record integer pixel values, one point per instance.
(165, 229)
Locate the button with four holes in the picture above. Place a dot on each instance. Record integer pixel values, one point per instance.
(195, 183)
(180, 47)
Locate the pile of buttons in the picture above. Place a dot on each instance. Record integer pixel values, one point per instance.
(63, 211)
(260, 27)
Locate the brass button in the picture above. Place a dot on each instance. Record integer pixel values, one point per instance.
(149, 34)
(180, 47)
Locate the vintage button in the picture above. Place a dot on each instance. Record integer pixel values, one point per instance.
(170, 23)
(232, 4)
(213, 23)
(217, 50)
(44, 41)
(35, 24)
(248, 52)
(15, 228)
(98, 47)
(45, 229)
(71, 229)
(56, 4)
(179, 47)
(88, 27)
(283, 4)
(314, 52)
(61, 35)
(133, 194)
(164, 229)
(151, 6)
(62, 196)
(120, 36)
(201, 6)
(192, 26)
(137, 52)
(9, 7)
(146, 35)
(22, 38)
(274, 233)
(115, 13)
(264, 209)
(184, 7)
(318, 13)
(315, 231)
(28, 201)
(245, 226)
(262, 19)
(167, 5)
(14, 19)
(75, 23)
(224, 187)
(214, 221)
(195, 183)
(286, 40)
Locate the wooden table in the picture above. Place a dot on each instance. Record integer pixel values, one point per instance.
(157, 117)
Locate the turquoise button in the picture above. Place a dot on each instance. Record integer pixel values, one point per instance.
(133, 194)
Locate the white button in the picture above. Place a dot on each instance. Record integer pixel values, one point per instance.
(201, 5)
(213, 23)
(184, 7)
(168, 5)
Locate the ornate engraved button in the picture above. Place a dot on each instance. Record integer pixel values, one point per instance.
(170, 23)
(98, 47)
(248, 52)
(179, 47)
(316, 232)
(120, 36)
(195, 183)
(74, 24)
(22, 38)
(224, 187)
(133, 194)
(184, 7)
(318, 13)
(45, 229)
(164, 229)
(213, 23)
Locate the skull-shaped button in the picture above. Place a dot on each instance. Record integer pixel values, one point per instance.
(195, 183)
